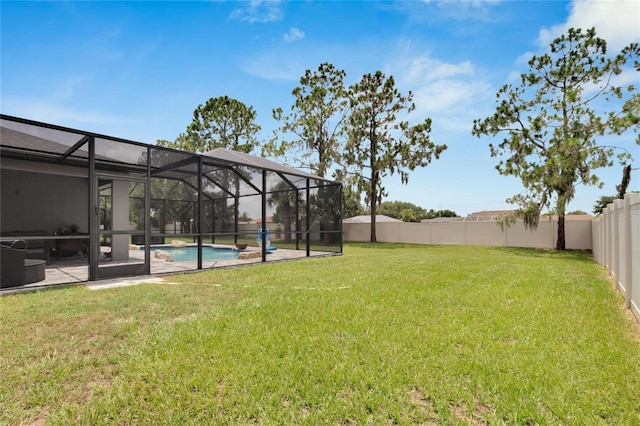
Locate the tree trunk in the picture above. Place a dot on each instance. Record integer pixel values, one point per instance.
(287, 222)
(223, 203)
(561, 206)
(560, 244)
(374, 207)
(374, 181)
(373, 222)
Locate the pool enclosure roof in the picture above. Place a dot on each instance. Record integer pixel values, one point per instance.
(35, 141)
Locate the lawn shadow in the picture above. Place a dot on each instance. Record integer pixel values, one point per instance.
(576, 255)
(394, 246)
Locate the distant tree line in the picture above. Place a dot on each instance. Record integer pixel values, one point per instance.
(409, 212)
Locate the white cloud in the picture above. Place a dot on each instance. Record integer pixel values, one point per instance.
(467, 3)
(457, 10)
(274, 66)
(52, 112)
(454, 103)
(293, 35)
(442, 90)
(442, 95)
(514, 77)
(425, 69)
(259, 11)
(616, 21)
(76, 117)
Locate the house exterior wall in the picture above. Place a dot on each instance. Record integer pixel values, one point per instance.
(37, 201)
(120, 218)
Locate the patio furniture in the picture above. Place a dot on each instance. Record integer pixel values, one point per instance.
(71, 247)
(35, 248)
(17, 270)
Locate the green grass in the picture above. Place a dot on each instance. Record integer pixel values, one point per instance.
(386, 334)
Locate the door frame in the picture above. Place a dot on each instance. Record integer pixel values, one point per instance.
(98, 271)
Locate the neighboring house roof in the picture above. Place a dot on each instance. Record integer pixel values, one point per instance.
(487, 215)
(492, 215)
(572, 217)
(258, 220)
(443, 219)
(367, 219)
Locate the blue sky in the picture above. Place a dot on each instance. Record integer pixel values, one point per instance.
(137, 70)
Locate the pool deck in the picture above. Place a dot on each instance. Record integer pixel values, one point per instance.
(76, 270)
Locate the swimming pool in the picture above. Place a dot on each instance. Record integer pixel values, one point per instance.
(190, 253)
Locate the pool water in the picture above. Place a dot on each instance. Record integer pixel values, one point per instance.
(186, 254)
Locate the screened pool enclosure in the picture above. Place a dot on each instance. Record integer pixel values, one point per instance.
(94, 206)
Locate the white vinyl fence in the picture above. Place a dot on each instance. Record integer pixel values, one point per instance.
(616, 246)
(486, 233)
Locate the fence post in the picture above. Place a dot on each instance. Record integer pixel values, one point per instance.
(603, 241)
(618, 205)
(601, 256)
(608, 230)
(601, 236)
(626, 274)
(594, 239)
(634, 236)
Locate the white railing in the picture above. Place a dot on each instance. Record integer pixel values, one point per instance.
(616, 246)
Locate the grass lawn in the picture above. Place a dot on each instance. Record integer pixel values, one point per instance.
(385, 334)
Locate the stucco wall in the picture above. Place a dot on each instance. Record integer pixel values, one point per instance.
(33, 201)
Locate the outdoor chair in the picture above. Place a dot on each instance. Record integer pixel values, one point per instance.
(17, 270)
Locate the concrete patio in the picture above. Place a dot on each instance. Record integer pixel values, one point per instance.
(76, 270)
